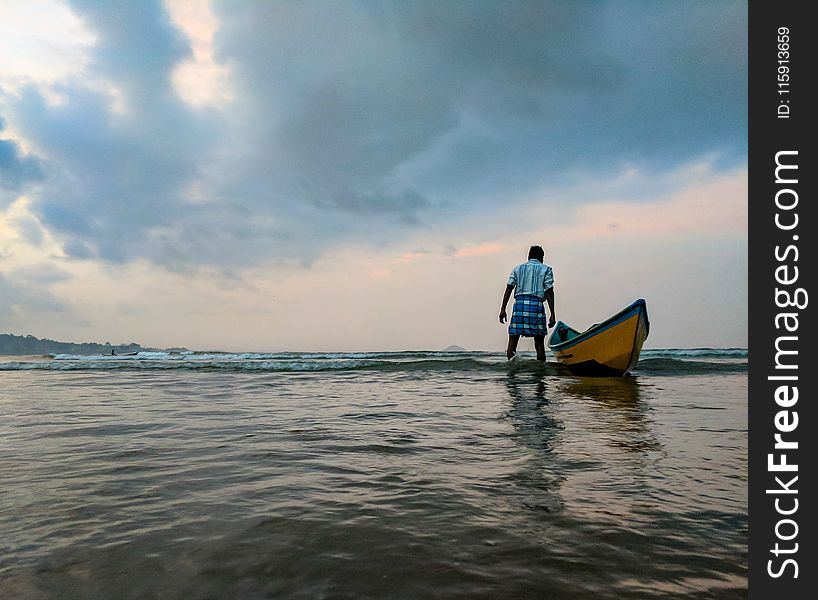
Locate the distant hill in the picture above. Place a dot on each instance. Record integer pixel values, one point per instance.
(453, 348)
(28, 344)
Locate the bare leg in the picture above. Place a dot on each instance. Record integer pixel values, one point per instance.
(539, 345)
(512, 345)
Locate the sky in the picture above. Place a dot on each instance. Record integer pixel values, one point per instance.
(363, 175)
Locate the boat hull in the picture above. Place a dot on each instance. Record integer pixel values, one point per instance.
(609, 349)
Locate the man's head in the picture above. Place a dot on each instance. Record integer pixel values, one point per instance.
(536, 252)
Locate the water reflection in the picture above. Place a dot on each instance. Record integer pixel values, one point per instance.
(619, 406)
(616, 392)
(535, 486)
(529, 411)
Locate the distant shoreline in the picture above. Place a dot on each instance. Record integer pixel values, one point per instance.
(24, 345)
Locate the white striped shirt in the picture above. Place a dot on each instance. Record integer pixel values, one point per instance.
(532, 277)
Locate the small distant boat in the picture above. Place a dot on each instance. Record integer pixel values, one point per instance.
(610, 348)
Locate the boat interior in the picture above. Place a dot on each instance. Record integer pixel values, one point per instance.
(562, 333)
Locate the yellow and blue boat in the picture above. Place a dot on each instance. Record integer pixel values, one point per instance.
(610, 348)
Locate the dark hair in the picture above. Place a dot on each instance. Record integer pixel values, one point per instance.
(536, 252)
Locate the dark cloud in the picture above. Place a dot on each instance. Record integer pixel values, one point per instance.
(366, 119)
(357, 93)
(16, 170)
(406, 205)
(74, 248)
(116, 179)
(137, 46)
(20, 295)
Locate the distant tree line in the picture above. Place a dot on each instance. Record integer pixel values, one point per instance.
(28, 344)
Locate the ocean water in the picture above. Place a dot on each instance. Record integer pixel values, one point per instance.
(374, 475)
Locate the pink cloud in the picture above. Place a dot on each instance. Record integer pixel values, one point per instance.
(480, 250)
(715, 208)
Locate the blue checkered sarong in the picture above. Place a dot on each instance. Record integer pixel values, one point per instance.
(528, 318)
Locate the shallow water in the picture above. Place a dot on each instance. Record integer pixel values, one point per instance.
(372, 482)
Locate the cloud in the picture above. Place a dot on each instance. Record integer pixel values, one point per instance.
(136, 45)
(40, 41)
(707, 204)
(481, 250)
(44, 273)
(26, 297)
(319, 124)
(16, 170)
(406, 205)
(348, 298)
(200, 80)
(29, 229)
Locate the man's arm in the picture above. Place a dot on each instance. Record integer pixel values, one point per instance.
(548, 286)
(549, 298)
(506, 296)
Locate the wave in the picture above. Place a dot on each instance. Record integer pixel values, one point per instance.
(695, 352)
(109, 363)
(190, 355)
(675, 366)
(226, 356)
(653, 362)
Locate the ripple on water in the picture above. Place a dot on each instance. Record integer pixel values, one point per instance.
(502, 484)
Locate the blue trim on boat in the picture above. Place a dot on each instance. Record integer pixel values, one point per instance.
(634, 309)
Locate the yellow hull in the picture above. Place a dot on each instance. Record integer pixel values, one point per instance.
(610, 348)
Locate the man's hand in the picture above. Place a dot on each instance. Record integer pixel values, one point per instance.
(552, 320)
(504, 303)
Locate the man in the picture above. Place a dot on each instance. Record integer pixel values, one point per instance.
(533, 284)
